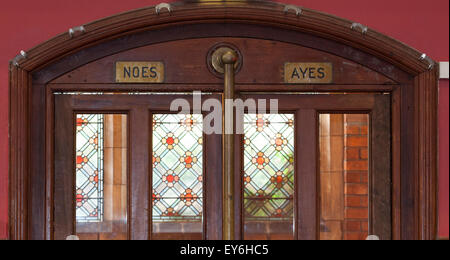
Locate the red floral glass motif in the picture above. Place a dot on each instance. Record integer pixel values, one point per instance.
(89, 167)
(178, 169)
(268, 166)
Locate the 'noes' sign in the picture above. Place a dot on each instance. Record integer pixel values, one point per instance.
(139, 72)
(308, 73)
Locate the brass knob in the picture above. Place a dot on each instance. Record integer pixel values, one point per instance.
(230, 57)
(222, 56)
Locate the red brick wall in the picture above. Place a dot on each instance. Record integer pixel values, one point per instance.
(356, 171)
(344, 176)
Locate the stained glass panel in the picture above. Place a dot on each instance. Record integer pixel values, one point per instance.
(273, 209)
(177, 168)
(268, 171)
(89, 167)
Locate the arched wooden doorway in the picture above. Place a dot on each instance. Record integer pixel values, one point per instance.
(391, 84)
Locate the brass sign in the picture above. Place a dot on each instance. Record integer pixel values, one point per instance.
(308, 73)
(139, 72)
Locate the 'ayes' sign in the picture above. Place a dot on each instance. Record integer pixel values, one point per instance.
(308, 73)
(139, 72)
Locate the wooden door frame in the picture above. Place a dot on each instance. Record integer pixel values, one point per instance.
(307, 109)
(414, 98)
(135, 107)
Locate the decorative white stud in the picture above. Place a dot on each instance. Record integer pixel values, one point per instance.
(298, 11)
(73, 30)
(430, 62)
(161, 6)
(18, 58)
(364, 29)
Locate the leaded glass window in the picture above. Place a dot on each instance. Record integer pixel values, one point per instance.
(268, 171)
(177, 168)
(89, 167)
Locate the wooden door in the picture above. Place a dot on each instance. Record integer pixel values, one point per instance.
(318, 169)
(162, 176)
(304, 173)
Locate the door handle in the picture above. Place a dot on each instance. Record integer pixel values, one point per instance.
(224, 61)
(229, 59)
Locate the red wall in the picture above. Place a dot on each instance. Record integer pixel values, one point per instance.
(422, 25)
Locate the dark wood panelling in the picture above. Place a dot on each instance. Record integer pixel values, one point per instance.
(427, 154)
(213, 186)
(409, 169)
(184, 88)
(238, 187)
(139, 189)
(263, 64)
(37, 160)
(380, 169)
(396, 103)
(64, 182)
(323, 102)
(307, 178)
(19, 153)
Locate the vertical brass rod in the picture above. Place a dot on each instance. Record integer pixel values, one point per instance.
(228, 59)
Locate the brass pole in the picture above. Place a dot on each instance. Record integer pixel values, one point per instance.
(229, 60)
